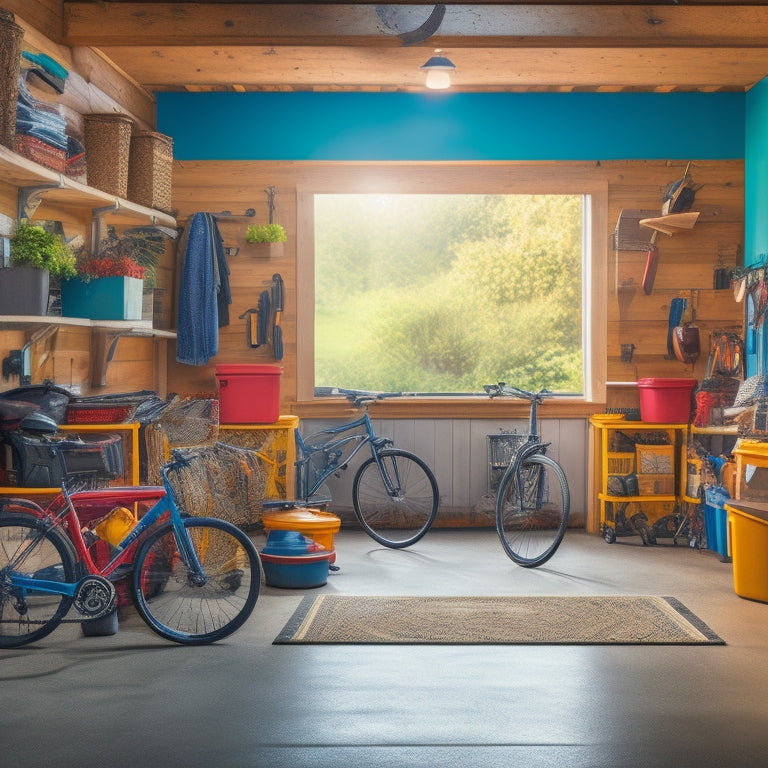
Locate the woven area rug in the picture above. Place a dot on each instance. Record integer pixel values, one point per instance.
(590, 620)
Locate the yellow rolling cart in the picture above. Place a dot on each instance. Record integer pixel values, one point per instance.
(638, 483)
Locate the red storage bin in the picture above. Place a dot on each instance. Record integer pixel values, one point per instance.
(666, 401)
(248, 394)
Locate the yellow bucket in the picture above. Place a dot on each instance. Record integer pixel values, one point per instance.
(116, 525)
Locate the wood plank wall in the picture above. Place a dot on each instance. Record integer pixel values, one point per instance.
(686, 261)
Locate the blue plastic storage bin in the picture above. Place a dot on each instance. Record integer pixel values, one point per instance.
(293, 561)
(716, 520)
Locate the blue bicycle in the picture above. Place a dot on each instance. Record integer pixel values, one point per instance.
(533, 500)
(394, 492)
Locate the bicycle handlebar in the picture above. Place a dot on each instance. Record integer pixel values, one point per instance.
(494, 390)
(178, 460)
(359, 397)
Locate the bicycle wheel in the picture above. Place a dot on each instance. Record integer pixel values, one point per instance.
(178, 605)
(26, 547)
(396, 498)
(532, 506)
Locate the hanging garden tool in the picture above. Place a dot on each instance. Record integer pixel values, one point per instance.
(251, 317)
(651, 264)
(278, 299)
(680, 194)
(678, 198)
(257, 322)
(270, 193)
(685, 336)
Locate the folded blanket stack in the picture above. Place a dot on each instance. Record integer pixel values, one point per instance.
(41, 129)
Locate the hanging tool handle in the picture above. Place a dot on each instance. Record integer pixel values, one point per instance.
(651, 264)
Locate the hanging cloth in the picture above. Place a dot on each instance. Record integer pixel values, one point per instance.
(223, 292)
(201, 285)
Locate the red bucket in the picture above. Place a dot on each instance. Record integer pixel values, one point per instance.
(666, 401)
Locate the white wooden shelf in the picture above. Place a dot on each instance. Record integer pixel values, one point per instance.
(125, 327)
(40, 184)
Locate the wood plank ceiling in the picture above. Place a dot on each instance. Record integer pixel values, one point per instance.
(246, 46)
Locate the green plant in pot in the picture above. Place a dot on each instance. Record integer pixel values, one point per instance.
(266, 233)
(110, 282)
(134, 253)
(37, 256)
(268, 239)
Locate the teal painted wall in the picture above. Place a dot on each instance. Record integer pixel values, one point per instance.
(468, 126)
(756, 173)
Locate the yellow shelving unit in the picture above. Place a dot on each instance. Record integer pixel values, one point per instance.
(613, 465)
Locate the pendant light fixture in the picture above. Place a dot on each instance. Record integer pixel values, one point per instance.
(438, 70)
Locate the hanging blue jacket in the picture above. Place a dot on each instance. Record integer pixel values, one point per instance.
(204, 283)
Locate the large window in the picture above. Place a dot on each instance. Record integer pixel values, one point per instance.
(437, 278)
(442, 293)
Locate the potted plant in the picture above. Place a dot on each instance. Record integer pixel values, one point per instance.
(37, 256)
(269, 239)
(108, 285)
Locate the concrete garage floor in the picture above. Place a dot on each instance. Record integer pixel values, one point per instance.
(133, 699)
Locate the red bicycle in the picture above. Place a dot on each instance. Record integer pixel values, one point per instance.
(195, 579)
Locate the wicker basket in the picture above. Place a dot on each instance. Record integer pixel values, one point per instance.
(149, 170)
(107, 148)
(11, 35)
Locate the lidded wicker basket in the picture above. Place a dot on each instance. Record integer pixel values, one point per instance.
(107, 148)
(150, 169)
(11, 36)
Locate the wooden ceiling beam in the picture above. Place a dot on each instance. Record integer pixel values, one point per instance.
(284, 68)
(101, 24)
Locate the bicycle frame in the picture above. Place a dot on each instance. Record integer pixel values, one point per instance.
(68, 517)
(332, 452)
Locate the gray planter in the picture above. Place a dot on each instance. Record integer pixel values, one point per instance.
(23, 291)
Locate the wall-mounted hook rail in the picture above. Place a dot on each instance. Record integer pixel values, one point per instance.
(229, 216)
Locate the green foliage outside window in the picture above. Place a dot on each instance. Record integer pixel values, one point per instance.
(445, 293)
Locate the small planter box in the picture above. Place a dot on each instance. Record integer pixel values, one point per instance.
(23, 291)
(265, 250)
(107, 298)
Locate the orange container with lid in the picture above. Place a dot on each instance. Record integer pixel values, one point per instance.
(314, 523)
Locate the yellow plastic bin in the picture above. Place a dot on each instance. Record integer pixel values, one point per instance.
(748, 538)
(314, 523)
